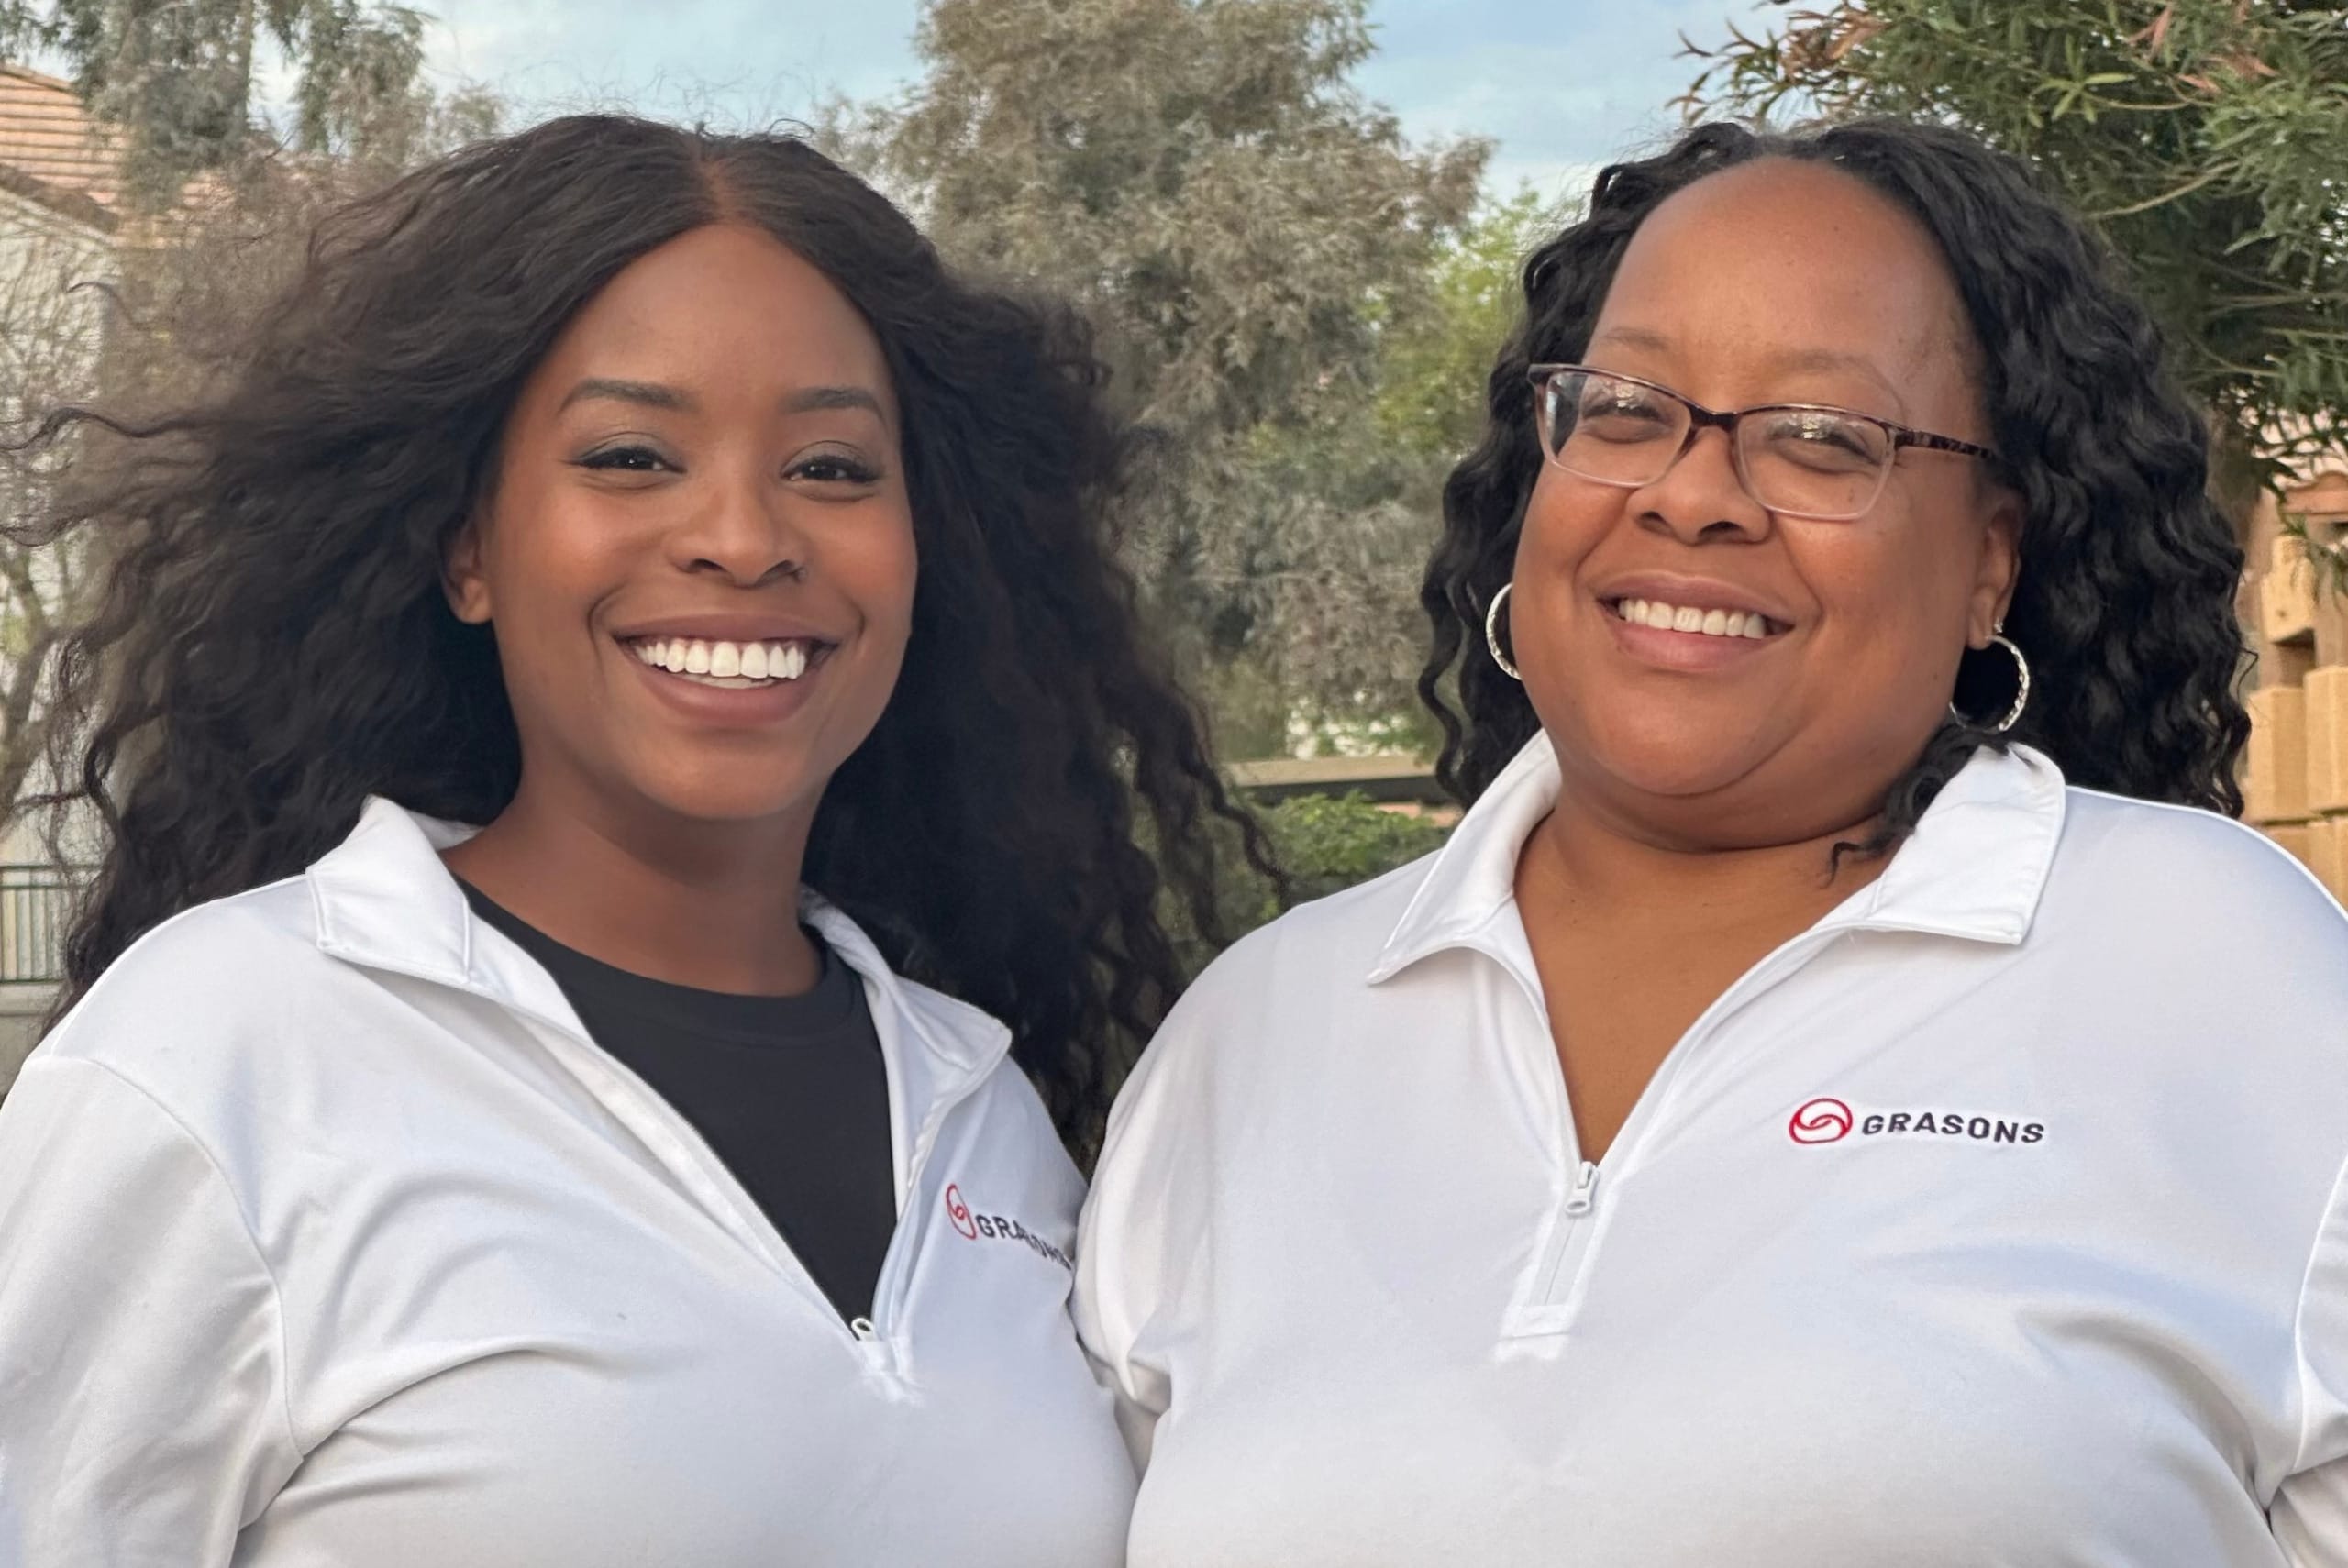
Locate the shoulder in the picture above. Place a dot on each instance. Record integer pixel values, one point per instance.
(2162, 873)
(1334, 939)
(1289, 980)
(234, 967)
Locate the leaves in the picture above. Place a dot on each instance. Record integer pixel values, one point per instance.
(1252, 234)
(177, 75)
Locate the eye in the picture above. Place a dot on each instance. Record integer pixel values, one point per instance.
(1620, 413)
(1823, 440)
(631, 459)
(834, 468)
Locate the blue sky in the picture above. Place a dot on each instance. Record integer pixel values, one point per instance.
(1562, 85)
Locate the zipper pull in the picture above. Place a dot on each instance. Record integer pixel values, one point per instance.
(862, 1328)
(1585, 1193)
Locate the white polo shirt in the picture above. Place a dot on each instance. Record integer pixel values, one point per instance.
(1996, 1220)
(329, 1241)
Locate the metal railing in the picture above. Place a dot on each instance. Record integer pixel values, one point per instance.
(36, 907)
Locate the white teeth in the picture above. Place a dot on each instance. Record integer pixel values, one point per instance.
(732, 665)
(1685, 618)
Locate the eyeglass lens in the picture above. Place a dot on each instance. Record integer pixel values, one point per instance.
(1810, 462)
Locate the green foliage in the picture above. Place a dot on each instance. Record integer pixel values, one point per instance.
(178, 76)
(1205, 178)
(1330, 842)
(2207, 138)
(1431, 394)
(1326, 844)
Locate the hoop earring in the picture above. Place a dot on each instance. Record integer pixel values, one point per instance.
(2022, 694)
(1492, 634)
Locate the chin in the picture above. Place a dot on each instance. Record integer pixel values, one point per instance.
(730, 795)
(1678, 760)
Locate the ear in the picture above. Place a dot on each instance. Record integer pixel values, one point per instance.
(461, 578)
(1998, 571)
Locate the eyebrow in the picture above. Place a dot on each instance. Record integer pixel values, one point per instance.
(652, 394)
(649, 395)
(813, 399)
(1791, 359)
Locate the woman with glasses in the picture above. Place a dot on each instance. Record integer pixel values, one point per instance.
(1845, 1094)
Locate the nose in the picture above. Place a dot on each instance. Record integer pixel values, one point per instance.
(1701, 497)
(745, 531)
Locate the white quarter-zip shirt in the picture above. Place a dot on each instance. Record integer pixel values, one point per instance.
(1996, 1220)
(328, 1240)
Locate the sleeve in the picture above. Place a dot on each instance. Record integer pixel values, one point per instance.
(1138, 1241)
(2309, 1514)
(143, 1416)
(1108, 1307)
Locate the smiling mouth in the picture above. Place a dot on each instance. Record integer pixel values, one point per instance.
(1696, 620)
(732, 666)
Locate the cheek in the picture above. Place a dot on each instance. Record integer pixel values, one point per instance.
(1565, 520)
(1902, 577)
(874, 561)
(1893, 597)
(550, 555)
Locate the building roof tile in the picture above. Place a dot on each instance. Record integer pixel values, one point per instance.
(47, 135)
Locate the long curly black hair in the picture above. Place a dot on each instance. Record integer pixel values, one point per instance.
(272, 645)
(2125, 605)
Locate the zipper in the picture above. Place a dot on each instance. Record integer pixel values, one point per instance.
(1581, 1201)
(1550, 1307)
(1584, 1196)
(879, 1337)
(647, 1118)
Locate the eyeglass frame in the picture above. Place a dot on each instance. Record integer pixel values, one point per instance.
(1701, 419)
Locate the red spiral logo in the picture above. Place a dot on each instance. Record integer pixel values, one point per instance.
(960, 1211)
(1820, 1121)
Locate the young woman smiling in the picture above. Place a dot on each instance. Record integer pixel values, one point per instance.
(635, 627)
(1834, 1100)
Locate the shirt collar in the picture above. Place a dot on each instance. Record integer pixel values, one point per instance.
(1974, 869)
(384, 900)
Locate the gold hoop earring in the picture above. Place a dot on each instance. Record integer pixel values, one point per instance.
(1492, 634)
(2021, 692)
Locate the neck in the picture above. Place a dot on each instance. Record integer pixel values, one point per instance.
(1582, 860)
(710, 905)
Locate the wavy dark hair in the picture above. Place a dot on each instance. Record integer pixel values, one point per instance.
(2125, 604)
(272, 645)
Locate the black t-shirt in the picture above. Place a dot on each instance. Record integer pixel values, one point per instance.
(791, 1092)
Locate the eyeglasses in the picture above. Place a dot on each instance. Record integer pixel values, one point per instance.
(1829, 465)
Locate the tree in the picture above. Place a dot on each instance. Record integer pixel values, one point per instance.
(1351, 635)
(51, 338)
(178, 77)
(142, 324)
(1204, 177)
(1431, 399)
(2208, 138)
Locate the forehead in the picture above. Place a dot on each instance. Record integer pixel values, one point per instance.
(1778, 260)
(725, 306)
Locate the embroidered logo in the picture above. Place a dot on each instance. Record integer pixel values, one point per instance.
(1820, 1121)
(979, 1227)
(959, 1212)
(1828, 1120)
